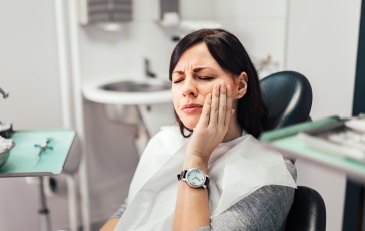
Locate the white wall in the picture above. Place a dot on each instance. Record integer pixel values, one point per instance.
(322, 44)
(29, 65)
(28, 70)
(260, 25)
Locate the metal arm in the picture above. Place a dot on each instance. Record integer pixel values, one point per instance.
(147, 70)
(5, 95)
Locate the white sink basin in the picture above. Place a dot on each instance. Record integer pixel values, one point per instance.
(134, 102)
(128, 92)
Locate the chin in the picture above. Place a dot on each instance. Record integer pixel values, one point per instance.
(189, 121)
(189, 124)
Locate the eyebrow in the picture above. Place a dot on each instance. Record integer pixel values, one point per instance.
(195, 70)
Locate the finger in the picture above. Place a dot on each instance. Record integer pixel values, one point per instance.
(214, 109)
(222, 104)
(229, 106)
(205, 116)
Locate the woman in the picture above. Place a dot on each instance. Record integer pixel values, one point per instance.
(219, 109)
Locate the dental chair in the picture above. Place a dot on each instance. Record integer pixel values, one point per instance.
(308, 212)
(288, 97)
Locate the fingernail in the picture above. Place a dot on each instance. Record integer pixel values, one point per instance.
(232, 111)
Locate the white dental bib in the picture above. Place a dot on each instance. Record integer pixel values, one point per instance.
(243, 169)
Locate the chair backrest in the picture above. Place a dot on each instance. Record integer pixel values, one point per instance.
(308, 212)
(288, 97)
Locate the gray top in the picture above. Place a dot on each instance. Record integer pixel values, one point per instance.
(265, 209)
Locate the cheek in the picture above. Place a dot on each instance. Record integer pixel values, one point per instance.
(209, 89)
(175, 100)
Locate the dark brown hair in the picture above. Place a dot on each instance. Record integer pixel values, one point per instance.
(230, 54)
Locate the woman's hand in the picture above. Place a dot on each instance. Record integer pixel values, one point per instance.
(213, 124)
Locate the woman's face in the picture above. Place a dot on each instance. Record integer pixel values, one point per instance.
(193, 78)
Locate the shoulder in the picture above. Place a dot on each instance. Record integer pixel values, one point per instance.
(267, 207)
(168, 135)
(264, 209)
(172, 132)
(167, 140)
(255, 146)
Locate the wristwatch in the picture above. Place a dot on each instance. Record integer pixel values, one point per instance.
(194, 177)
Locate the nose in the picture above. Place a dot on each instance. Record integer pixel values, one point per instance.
(189, 87)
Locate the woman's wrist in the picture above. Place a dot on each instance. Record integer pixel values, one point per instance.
(192, 161)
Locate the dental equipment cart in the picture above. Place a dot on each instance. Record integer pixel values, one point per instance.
(39, 153)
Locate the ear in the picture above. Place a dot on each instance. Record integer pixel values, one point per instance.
(241, 85)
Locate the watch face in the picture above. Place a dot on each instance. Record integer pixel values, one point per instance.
(195, 178)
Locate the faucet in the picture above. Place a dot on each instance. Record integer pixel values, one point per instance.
(5, 95)
(147, 71)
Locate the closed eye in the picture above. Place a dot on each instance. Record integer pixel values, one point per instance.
(203, 78)
(207, 78)
(178, 80)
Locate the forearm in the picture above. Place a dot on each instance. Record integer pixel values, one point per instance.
(192, 205)
(110, 224)
(192, 208)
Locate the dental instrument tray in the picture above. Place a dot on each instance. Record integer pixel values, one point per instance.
(38, 152)
(345, 139)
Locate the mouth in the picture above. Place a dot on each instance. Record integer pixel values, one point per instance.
(191, 108)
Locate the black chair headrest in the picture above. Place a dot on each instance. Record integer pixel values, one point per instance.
(288, 97)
